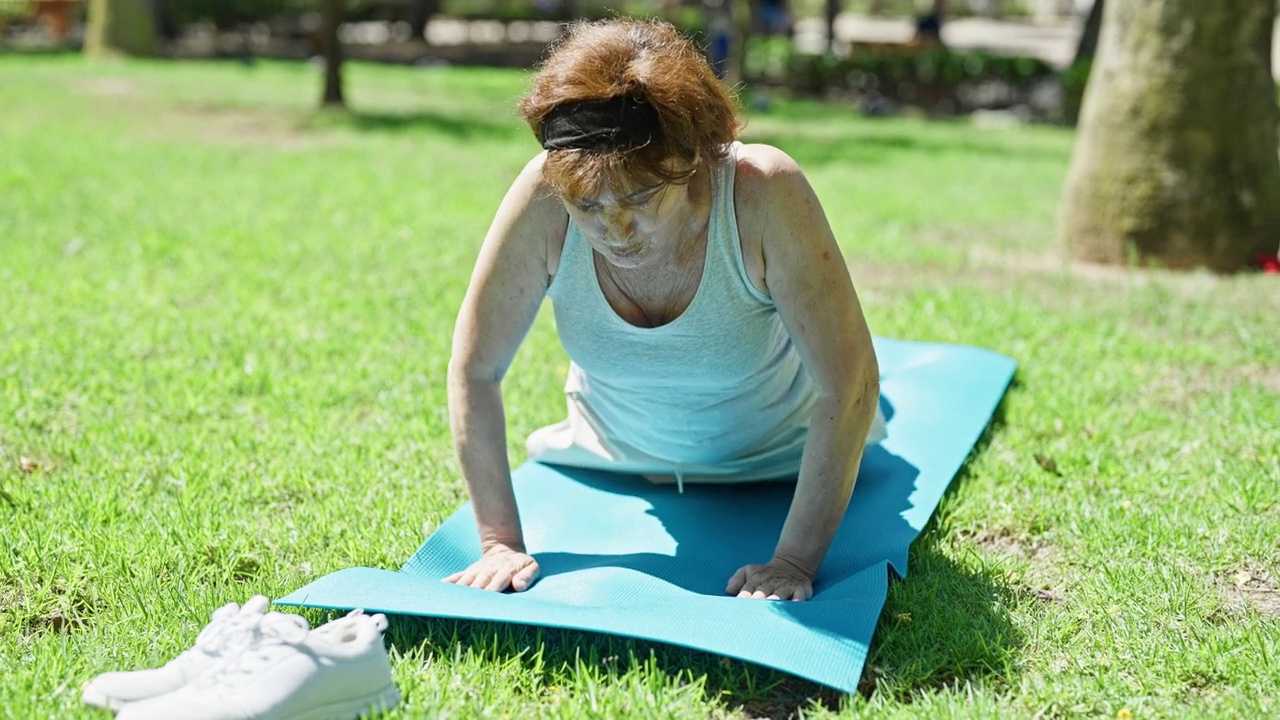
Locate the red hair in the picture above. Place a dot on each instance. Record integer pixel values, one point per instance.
(647, 59)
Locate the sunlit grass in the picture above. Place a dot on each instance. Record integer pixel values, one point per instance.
(224, 324)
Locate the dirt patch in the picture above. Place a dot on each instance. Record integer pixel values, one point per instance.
(790, 700)
(1179, 387)
(63, 610)
(1042, 583)
(107, 87)
(1037, 278)
(1258, 375)
(268, 128)
(1151, 306)
(1002, 265)
(1259, 589)
(55, 622)
(10, 595)
(274, 129)
(1009, 543)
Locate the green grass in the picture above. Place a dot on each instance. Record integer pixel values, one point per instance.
(224, 325)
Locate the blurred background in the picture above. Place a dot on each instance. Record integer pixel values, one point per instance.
(235, 234)
(1206, 182)
(1026, 58)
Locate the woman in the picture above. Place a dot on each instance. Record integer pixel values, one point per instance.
(714, 331)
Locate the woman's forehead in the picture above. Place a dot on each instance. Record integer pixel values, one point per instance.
(613, 185)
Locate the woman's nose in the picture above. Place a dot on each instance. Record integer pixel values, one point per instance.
(621, 222)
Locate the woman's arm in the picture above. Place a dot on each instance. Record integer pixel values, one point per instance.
(508, 284)
(809, 282)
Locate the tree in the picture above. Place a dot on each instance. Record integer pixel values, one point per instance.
(1088, 43)
(333, 13)
(1176, 157)
(830, 12)
(929, 26)
(120, 27)
(743, 13)
(420, 12)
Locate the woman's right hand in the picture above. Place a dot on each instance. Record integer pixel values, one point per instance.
(501, 567)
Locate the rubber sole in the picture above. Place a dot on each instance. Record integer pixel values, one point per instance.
(95, 698)
(380, 701)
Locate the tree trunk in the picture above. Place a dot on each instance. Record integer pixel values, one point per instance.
(420, 12)
(334, 12)
(1265, 41)
(743, 21)
(929, 26)
(831, 10)
(1176, 156)
(166, 26)
(1088, 44)
(571, 10)
(120, 27)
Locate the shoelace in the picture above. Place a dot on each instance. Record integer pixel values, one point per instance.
(261, 636)
(227, 635)
(378, 620)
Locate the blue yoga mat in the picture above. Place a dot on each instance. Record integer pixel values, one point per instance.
(622, 556)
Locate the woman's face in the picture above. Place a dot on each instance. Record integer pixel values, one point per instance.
(631, 224)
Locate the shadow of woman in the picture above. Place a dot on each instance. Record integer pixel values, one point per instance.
(696, 539)
(950, 622)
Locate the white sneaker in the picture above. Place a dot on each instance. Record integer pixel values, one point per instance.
(339, 671)
(227, 634)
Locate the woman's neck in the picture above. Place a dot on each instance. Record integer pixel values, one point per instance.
(689, 226)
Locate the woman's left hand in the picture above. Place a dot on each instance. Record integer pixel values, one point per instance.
(775, 580)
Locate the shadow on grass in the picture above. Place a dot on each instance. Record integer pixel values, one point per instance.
(756, 690)
(876, 148)
(38, 51)
(460, 128)
(945, 624)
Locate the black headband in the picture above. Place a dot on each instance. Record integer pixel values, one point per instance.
(619, 123)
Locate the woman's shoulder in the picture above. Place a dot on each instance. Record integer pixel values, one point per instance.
(544, 210)
(535, 200)
(532, 186)
(758, 163)
(531, 216)
(764, 185)
(764, 178)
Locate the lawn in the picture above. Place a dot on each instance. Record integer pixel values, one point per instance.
(224, 325)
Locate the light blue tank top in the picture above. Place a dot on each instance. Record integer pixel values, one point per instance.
(721, 387)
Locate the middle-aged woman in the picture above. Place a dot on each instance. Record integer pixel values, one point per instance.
(713, 329)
